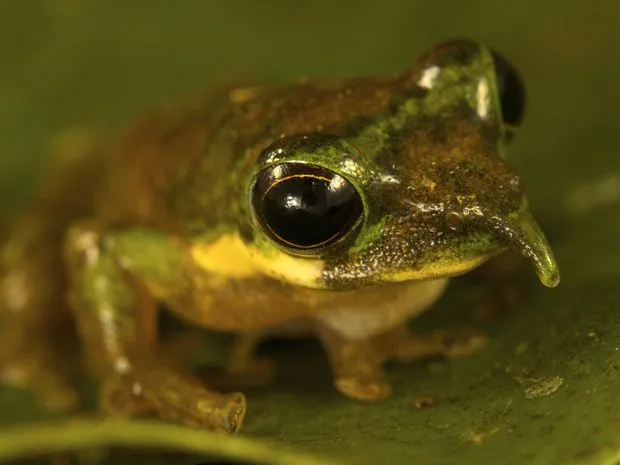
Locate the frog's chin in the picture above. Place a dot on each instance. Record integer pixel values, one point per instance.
(441, 268)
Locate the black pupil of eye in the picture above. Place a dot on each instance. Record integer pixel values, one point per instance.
(309, 208)
(511, 91)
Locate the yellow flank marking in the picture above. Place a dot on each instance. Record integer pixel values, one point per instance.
(226, 256)
(295, 270)
(229, 257)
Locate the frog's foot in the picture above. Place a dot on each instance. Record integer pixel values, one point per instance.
(244, 370)
(462, 342)
(43, 372)
(355, 366)
(401, 344)
(172, 397)
(363, 388)
(246, 366)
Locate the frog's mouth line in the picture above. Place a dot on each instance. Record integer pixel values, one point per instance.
(443, 267)
(520, 232)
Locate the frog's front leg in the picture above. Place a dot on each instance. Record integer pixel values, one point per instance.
(116, 278)
(355, 364)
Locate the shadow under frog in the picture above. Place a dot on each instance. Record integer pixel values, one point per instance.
(339, 208)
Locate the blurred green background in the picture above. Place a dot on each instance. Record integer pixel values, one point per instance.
(68, 63)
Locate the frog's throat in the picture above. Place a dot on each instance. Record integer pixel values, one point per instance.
(521, 233)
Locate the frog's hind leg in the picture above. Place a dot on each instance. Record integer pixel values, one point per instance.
(401, 344)
(37, 341)
(38, 344)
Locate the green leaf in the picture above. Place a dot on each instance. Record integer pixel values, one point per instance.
(544, 389)
(84, 435)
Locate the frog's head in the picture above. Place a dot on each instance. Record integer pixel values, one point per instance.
(417, 190)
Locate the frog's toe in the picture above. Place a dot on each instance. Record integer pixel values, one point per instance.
(179, 401)
(401, 344)
(363, 389)
(223, 413)
(462, 343)
(231, 408)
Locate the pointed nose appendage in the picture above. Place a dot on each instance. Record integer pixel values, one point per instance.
(523, 234)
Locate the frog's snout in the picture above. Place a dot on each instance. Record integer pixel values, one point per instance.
(521, 233)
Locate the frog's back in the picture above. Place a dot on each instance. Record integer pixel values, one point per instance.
(150, 157)
(215, 152)
(92, 177)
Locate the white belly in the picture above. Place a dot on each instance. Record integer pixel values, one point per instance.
(369, 315)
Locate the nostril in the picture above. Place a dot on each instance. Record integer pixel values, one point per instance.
(454, 221)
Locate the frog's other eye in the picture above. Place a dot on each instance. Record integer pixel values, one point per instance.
(511, 92)
(305, 207)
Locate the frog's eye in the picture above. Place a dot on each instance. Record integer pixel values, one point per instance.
(305, 207)
(511, 92)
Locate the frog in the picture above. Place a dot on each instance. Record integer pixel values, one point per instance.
(340, 208)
